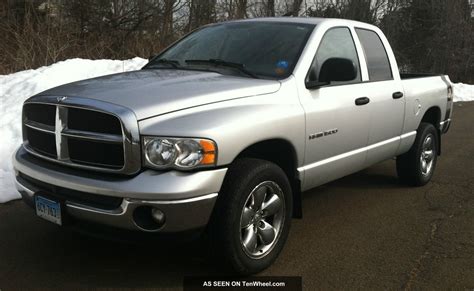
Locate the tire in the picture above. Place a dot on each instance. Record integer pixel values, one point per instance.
(244, 244)
(416, 167)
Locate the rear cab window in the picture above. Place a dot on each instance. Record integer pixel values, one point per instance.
(378, 63)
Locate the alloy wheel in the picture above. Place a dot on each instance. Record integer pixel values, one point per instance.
(427, 155)
(262, 219)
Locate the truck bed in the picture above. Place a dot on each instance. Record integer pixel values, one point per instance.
(417, 75)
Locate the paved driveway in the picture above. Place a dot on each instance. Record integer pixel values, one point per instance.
(362, 231)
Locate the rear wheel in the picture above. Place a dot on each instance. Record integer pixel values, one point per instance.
(252, 216)
(416, 167)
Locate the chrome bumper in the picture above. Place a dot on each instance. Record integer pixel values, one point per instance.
(186, 199)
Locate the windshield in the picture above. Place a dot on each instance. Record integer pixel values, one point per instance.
(264, 49)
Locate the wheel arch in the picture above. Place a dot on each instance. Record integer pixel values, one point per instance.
(281, 152)
(433, 116)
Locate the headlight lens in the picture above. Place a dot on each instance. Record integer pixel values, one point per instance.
(161, 152)
(181, 153)
(190, 153)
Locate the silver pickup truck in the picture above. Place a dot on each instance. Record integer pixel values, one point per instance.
(222, 131)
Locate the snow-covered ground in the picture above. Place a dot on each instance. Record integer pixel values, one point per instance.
(463, 92)
(15, 88)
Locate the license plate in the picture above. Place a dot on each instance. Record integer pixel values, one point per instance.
(48, 209)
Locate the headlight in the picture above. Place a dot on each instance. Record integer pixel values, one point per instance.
(161, 152)
(180, 153)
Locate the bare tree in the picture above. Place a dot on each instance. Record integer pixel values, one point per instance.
(167, 21)
(427, 35)
(201, 12)
(295, 8)
(269, 7)
(240, 9)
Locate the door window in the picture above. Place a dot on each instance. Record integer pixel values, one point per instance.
(336, 43)
(375, 54)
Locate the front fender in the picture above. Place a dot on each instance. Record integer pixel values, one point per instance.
(234, 125)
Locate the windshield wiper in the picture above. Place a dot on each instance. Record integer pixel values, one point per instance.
(173, 63)
(218, 62)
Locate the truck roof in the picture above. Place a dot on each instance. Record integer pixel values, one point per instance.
(306, 20)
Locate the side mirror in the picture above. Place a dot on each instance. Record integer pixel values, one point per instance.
(334, 70)
(337, 69)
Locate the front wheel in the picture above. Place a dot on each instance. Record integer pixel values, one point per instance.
(252, 215)
(416, 167)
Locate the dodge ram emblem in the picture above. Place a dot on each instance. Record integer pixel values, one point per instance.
(61, 99)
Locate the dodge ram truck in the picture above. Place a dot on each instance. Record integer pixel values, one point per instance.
(222, 131)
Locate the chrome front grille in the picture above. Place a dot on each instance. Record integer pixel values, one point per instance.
(82, 133)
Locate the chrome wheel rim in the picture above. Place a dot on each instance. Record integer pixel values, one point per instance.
(261, 220)
(427, 155)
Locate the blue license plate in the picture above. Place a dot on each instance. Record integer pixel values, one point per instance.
(48, 209)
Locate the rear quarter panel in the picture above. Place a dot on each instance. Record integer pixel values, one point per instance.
(428, 92)
(421, 94)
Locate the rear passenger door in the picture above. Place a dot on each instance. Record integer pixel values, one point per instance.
(386, 98)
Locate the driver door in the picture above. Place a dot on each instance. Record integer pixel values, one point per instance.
(336, 128)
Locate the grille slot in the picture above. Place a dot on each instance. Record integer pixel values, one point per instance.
(78, 119)
(84, 136)
(42, 142)
(40, 113)
(95, 153)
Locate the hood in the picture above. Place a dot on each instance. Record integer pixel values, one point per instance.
(154, 92)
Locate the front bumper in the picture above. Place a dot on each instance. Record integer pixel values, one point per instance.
(186, 198)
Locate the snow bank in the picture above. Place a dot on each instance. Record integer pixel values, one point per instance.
(463, 92)
(17, 87)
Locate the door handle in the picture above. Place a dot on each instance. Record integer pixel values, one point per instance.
(397, 95)
(362, 101)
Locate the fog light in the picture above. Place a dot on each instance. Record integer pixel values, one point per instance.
(148, 218)
(158, 216)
